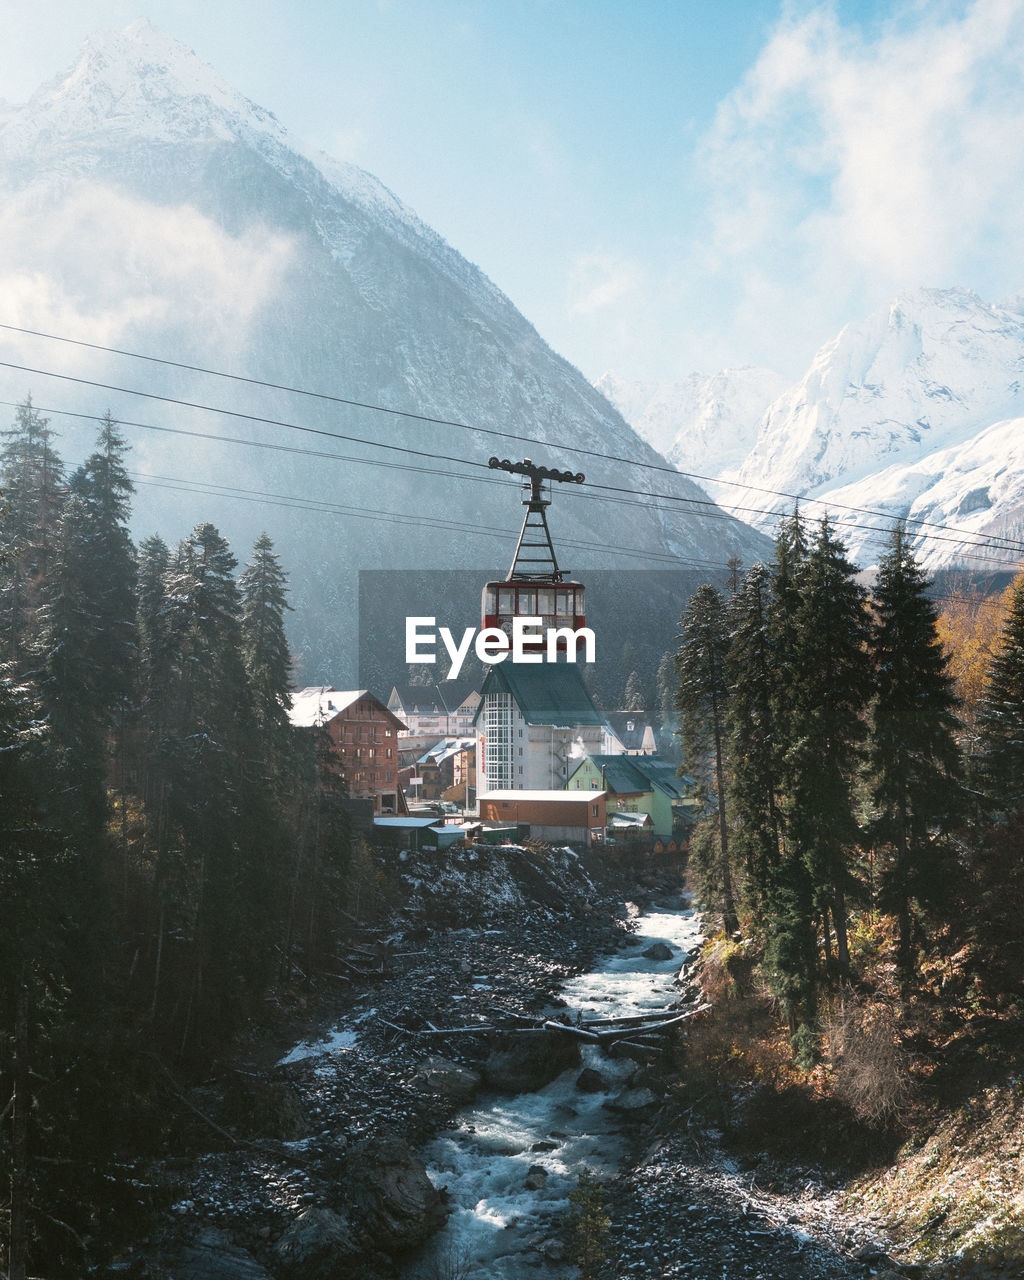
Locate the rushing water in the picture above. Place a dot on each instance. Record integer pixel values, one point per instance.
(498, 1228)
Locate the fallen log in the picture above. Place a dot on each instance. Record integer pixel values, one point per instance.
(643, 1017)
(649, 1028)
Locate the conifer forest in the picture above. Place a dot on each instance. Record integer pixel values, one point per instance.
(166, 841)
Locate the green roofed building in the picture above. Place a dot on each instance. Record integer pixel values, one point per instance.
(534, 723)
(634, 785)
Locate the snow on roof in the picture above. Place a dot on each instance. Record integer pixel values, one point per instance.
(563, 797)
(440, 751)
(407, 823)
(630, 820)
(318, 703)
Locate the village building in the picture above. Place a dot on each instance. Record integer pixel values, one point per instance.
(363, 737)
(557, 816)
(445, 771)
(534, 723)
(642, 792)
(435, 711)
(628, 733)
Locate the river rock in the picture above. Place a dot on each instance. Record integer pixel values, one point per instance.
(451, 1080)
(214, 1257)
(269, 1108)
(536, 1178)
(590, 1081)
(316, 1246)
(638, 1099)
(658, 951)
(391, 1196)
(521, 1064)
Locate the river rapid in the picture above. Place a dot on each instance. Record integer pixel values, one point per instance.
(509, 1163)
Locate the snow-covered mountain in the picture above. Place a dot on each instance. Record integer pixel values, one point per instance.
(146, 205)
(895, 415)
(703, 424)
(916, 412)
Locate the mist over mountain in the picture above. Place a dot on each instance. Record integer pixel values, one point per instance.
(146, 205)
(705, 424)
(916, 411)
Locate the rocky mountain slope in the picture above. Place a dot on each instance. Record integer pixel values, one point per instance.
(703, 424)
(146, 205)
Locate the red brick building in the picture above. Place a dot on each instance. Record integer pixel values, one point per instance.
(364, 737)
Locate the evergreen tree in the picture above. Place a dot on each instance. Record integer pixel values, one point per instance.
(103, 486)
(790, 940)
(1002, 712)
(754, 739)
(71, 675)
(32, 478)
(216, 873)
(831, 685)
(915, 761)
(702, 702)
(265, 649)
(633, 697)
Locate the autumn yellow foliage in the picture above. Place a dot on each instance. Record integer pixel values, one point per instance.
(969, 628)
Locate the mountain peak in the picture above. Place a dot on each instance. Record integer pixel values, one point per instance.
(139, 82)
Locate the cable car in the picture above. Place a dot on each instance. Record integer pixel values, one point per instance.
(535, 587)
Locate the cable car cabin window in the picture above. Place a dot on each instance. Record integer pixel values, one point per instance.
(490, 600)
(564, 602)
(527, 603)
(546, 602)
(506, 600)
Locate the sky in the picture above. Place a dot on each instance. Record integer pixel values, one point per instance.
(660, 186)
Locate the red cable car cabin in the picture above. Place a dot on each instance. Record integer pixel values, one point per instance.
(556, 603)
(535, 586)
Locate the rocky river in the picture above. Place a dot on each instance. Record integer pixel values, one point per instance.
(400, 1141)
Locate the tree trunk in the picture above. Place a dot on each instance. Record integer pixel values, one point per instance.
(18, 1256)
(729, 917)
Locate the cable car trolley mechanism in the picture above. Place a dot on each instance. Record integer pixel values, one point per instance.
(535, 587)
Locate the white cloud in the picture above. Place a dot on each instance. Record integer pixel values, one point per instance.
(84, 260)
(844, 168)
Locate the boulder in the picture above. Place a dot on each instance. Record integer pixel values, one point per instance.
(266, 1108)
(638, 1099)
(590, 1081)
(317, 1246)
(394, 1201)
(658, 951)
(520, 1064)
(536, 1178)
(213, 1257)
(451, 1080)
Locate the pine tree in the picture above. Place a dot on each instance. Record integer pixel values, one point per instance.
(1001, 716)
(633, 697)
(32, 478)
(915, 761)
(265, 649)
(702, 701)
(790, 938)
(831, 685)
(216, 874)
(754, 737)
(71, 690)
(103, 485)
